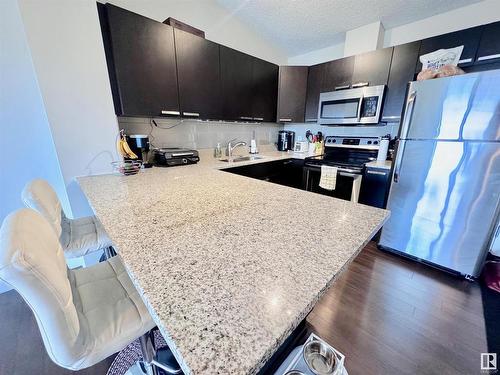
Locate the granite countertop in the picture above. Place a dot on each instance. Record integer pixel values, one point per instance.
(227, 265)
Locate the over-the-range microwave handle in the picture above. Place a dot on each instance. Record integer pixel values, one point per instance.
(400, 150)
(360, 104)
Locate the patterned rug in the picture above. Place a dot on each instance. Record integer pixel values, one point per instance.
(131, 354)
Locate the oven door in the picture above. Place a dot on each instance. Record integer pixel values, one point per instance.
(351, 107)
(347, 186)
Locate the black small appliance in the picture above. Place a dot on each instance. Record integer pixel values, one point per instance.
(170, 157)
(286, 140)
(139, 144)
(282, 140)
(290, 140)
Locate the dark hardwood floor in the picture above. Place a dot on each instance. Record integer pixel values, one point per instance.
(388, 315)
(21, 346)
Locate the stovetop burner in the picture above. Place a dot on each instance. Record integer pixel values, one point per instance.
(342, 152)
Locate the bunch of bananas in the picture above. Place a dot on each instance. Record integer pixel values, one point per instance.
(123, 147)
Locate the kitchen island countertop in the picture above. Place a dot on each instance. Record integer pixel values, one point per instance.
(227, 265)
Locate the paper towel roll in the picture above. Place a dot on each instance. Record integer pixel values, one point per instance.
(382, 151)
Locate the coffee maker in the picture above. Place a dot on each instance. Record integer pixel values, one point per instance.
(286, 140)
(139, 143)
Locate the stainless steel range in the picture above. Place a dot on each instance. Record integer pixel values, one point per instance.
(350, 156)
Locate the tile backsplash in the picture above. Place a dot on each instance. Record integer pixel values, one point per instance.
(206, 134)
(199, 134)
(360, 131)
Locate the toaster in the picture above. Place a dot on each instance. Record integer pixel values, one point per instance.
(301, 146)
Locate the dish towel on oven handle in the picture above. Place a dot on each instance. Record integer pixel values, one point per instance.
(328, 178)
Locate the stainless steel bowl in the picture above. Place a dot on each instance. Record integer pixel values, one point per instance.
(295, 372)
(320, 358)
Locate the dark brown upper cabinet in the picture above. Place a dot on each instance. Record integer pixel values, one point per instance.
(292, 89)
(237, 84)
(199, 78)
(265, 90)
(249, 87)
(314, 87)
(338, 74)
(404, 60)
(372, 67)
(469, 38)
(141, 62)
(489, 45)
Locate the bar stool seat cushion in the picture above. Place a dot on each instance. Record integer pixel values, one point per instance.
(83, 236)
(84, 315)
(77, 236)
(106, 299)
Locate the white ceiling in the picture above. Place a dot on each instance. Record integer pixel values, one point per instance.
(300, 26)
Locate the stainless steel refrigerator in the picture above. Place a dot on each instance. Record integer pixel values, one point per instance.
(444, 197)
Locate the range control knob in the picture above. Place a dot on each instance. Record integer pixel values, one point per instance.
(329, 140)
(369, 142)
(375, 142)
(334, 140)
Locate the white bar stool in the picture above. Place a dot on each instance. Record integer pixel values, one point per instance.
(78, 237)
(84, 315)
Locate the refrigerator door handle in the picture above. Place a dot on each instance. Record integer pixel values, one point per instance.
(410, 104)
(408, 113)
(399, 158)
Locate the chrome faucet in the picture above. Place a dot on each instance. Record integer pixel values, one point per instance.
(230, 147)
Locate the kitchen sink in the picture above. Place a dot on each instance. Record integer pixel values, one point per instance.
(243, 158)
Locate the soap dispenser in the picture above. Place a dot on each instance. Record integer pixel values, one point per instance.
(253, 145)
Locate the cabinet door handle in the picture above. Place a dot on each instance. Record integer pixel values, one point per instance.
(388, 118)
(311, 119)
(377, 172)
(343, 87)
(285, 120)
(489, 57)
(258, 118)
(464, 61)
(360, 84)
(191, 114)
(246, 118)
(171, 113)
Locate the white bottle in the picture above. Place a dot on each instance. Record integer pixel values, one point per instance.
(253, 144)
(383, 148)
(253, 147)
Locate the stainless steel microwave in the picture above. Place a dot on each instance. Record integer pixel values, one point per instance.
(357, 106)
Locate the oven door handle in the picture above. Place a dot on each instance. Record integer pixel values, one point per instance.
(339, 170)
